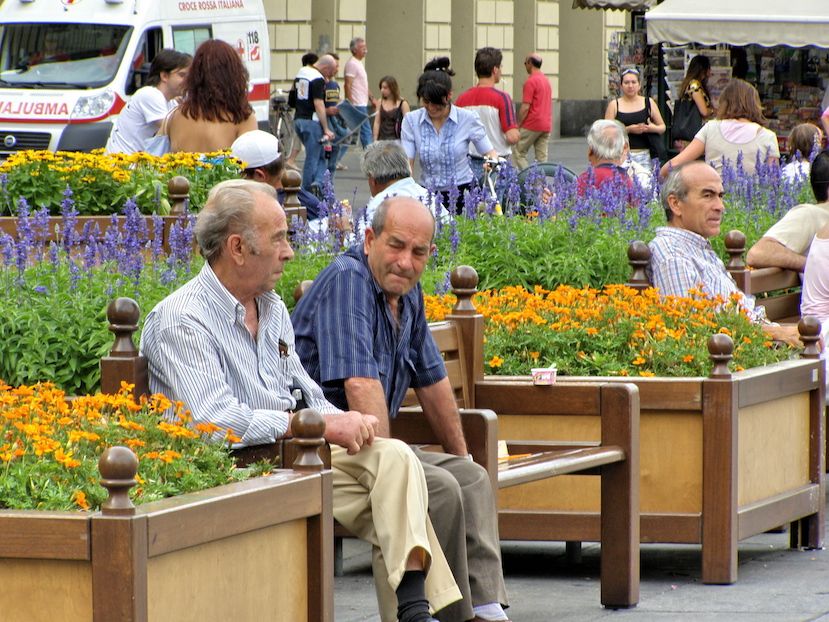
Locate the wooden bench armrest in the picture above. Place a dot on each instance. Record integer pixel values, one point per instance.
(480, 427)
(546, 464)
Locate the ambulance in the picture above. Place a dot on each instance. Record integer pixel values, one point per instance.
(68, 67)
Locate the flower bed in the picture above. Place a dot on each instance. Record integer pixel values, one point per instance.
(102, 183)
(615, 331)
(50, 448)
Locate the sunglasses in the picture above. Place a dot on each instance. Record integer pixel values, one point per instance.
(635, 72)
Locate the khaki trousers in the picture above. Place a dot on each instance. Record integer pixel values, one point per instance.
(380, 495)
(463, 512)
(530, 138)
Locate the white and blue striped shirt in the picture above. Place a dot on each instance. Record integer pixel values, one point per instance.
(200, 352)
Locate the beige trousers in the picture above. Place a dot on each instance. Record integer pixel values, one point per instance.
(530, 138)
(380, 496)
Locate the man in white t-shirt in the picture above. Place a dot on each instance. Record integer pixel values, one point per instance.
(142, 116)
(786, 244)
(356, 85)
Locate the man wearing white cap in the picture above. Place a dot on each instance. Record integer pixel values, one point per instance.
(259, 153)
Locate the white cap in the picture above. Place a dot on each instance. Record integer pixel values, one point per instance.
(255, 148)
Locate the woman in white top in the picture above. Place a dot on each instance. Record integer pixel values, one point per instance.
(815, 296)
(143, 114)
(803, 140)
(738, 129)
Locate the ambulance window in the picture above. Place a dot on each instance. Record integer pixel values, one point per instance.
(61, 55)
(149, 45)
(188, 39)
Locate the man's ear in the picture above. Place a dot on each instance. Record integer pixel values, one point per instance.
(368, 240)
(259, 175)
(233, 248)
(674, 204)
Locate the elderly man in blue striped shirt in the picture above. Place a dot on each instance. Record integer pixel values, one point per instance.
(361, 333)
(223, 345)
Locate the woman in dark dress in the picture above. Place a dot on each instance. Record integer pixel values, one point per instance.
(390, 111)
(640, 116)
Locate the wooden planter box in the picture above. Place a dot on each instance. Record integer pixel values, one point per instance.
(721, 459)
(229, 553)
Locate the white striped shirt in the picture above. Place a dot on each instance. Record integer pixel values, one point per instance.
(200, 352)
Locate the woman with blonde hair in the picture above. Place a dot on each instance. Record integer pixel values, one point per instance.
(215, 110)
(739, 129)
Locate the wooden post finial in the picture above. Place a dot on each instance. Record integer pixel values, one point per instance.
(123, 314)
(178, 189)
(809, 329)
(291, 181)
(118, 466)
(308, 428)
(735, 246)
(721, 350)
(464, 281)
(639, 256)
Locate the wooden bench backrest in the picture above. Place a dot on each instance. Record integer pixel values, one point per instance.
(449, 343)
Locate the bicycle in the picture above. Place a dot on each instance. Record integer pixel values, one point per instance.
(281, 121)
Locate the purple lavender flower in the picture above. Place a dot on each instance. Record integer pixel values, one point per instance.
(41, 289)
(69, 235)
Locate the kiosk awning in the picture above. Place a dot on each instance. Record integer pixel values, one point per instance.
(740, 22)
(630, 5)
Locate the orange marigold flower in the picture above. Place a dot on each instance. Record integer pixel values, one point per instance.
(231, 437)
(639, 361)
(687, 358)
(591, 331)
(79, 498)
(646, 374)
(496, 361)
(724, 330)
(534, 355)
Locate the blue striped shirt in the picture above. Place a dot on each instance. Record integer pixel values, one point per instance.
(344, 329)
(443, 155)
(200, 352)
(682, 260)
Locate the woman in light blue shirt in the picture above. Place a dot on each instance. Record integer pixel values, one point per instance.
(439, 134)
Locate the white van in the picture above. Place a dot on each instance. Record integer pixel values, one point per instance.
(67, 67)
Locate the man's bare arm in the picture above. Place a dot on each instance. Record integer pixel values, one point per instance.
(522, 112)
(441, 411)
(366, 396)
(769, 253)
(512, 136)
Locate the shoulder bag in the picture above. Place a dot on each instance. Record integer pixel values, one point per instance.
(687, 120)
(159, 144)
(656, 142)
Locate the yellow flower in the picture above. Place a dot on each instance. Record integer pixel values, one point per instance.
(496, 361)
(639, 361)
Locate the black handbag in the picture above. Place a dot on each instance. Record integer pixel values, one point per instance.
(687, 120)
(656, 142)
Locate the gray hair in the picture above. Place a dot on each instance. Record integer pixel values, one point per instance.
(378, 221)
(227, 212)
(385, 161)
(607, 139)
(676, 185)
(354, 42)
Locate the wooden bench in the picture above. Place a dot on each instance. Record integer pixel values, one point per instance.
(614, 458)
(775, 289)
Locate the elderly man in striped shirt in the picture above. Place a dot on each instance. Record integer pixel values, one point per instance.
(361, 332)
(681, 255)
(223, 345)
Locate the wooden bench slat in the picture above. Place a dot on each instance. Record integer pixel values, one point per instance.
(549, 464)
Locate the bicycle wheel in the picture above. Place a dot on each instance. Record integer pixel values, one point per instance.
(285, 132)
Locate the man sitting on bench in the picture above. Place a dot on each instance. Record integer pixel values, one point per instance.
(681, 255)
(223, 345)
(786, 244)
(361, 332)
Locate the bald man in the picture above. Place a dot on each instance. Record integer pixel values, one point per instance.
(361, 332)
(535, 117)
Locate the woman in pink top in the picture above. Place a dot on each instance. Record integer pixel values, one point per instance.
(815, 296)
(738, 129)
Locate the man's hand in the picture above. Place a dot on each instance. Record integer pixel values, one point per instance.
(351, 430)
(787, 334)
